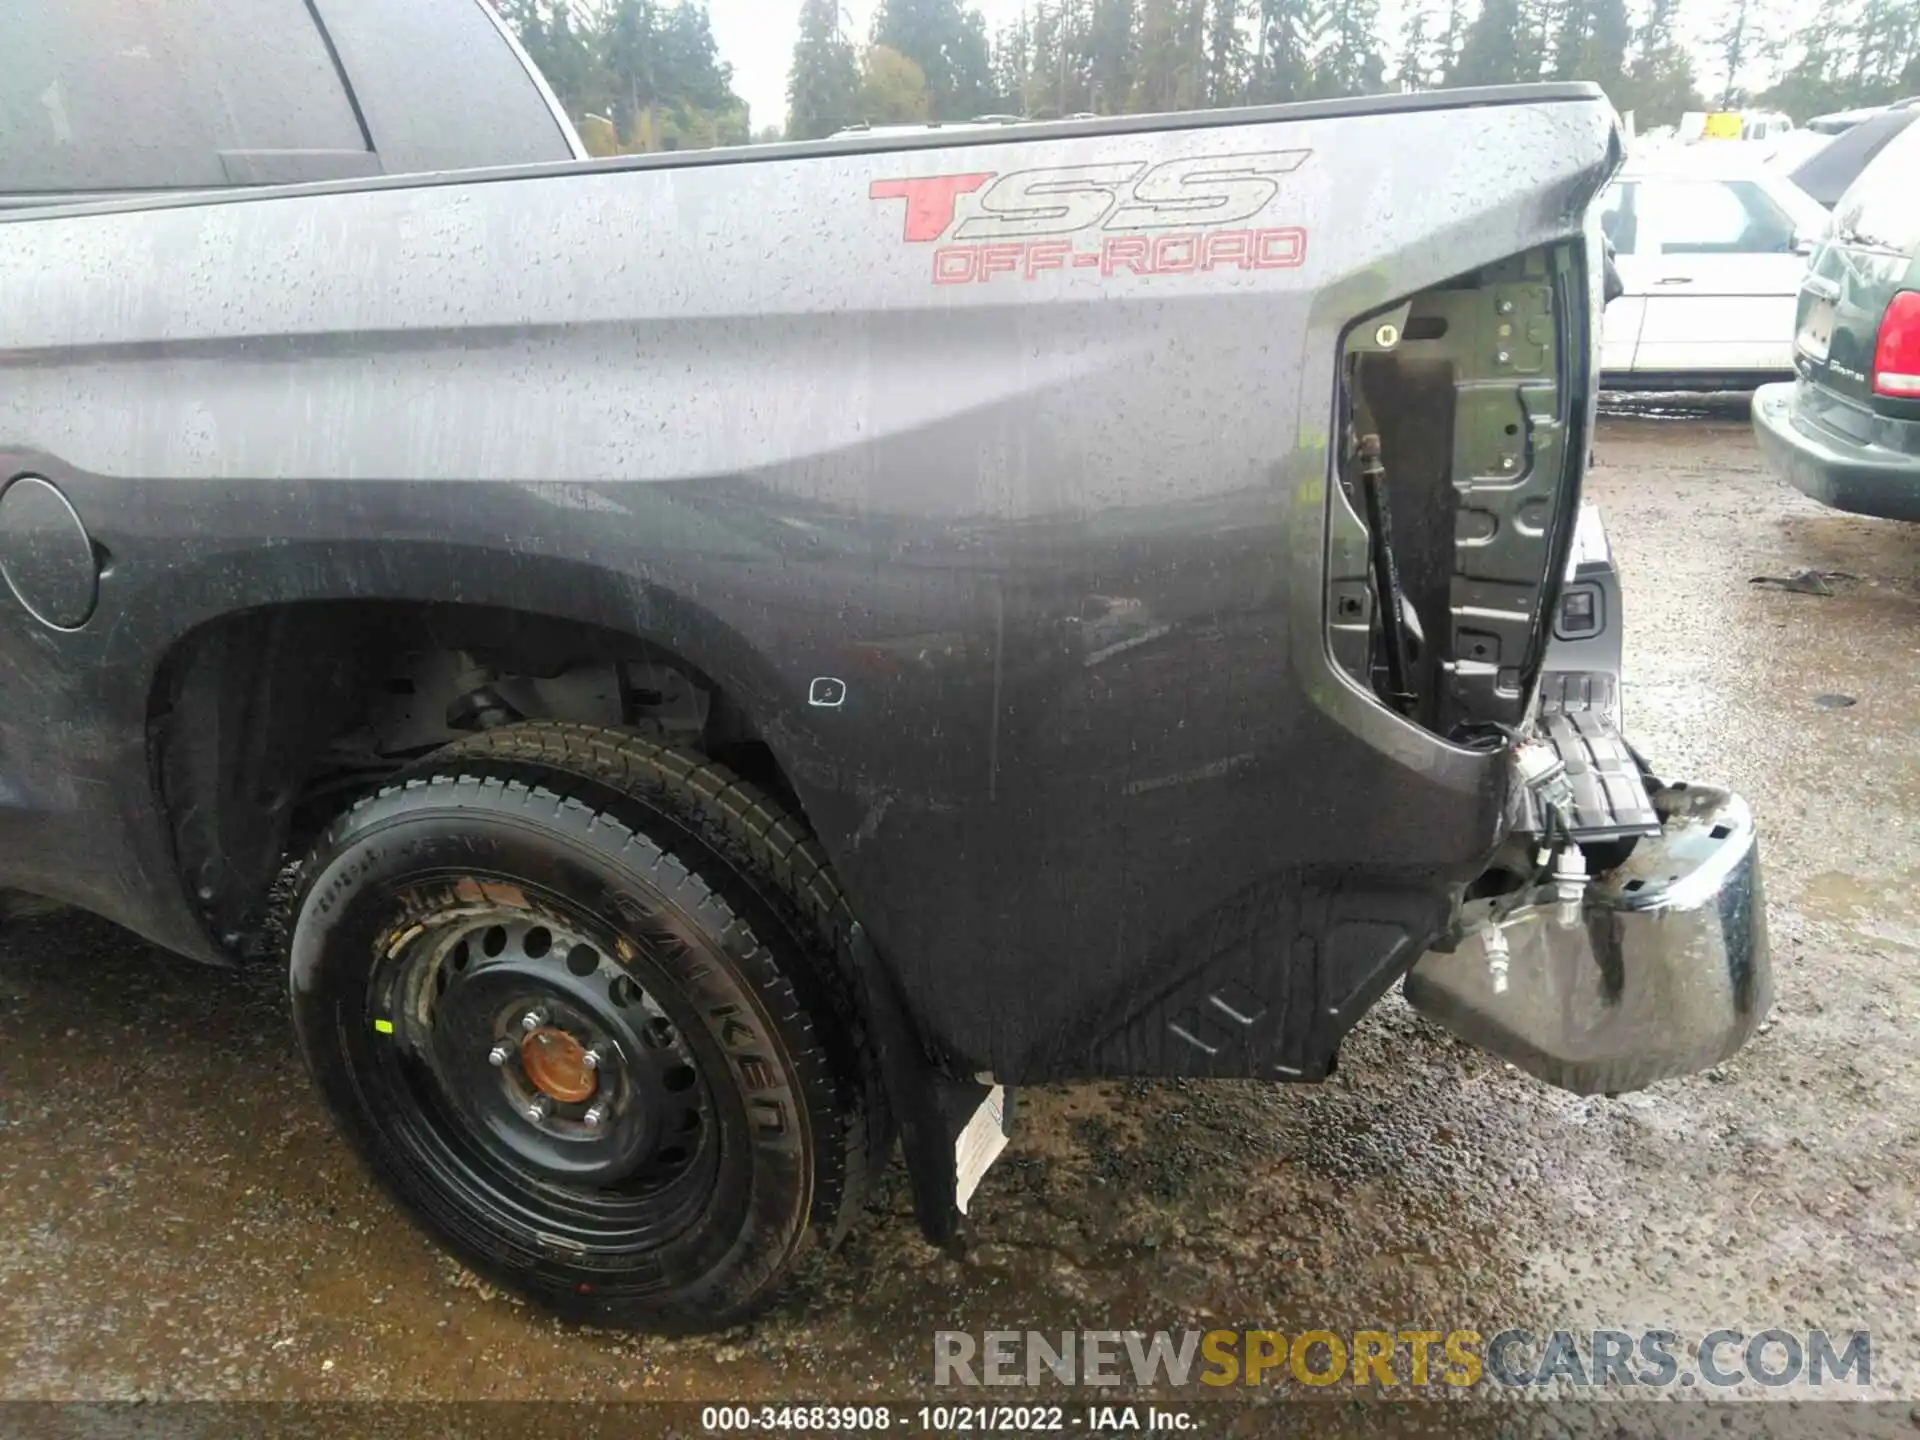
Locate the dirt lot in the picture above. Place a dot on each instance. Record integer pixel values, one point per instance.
(177, 1219)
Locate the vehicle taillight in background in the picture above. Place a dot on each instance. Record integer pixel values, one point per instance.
(1896, 360)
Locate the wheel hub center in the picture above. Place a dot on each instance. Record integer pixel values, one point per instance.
(545, 1048)
(556, 1065)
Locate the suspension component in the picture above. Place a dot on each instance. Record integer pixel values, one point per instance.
(1386, 576)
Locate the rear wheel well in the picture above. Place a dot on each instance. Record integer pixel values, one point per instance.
(265, 724)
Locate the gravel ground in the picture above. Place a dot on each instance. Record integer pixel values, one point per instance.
(177, 1220)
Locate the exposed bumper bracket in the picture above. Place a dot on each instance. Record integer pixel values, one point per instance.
(1662, 969)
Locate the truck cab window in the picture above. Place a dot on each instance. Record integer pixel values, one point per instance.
(106, 95)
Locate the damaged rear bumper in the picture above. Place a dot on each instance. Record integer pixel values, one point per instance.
(1659, 968)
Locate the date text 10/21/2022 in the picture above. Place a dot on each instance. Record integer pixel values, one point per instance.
(1183, 217)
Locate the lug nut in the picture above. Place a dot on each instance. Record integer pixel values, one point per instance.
(596, 1114)
(501, 1053)
(533, 1019)
(593, 1059)
(538, 1109)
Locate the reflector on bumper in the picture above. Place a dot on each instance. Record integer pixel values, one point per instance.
(1661, 969)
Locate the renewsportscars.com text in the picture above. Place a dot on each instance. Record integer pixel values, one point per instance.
(1411, 1357)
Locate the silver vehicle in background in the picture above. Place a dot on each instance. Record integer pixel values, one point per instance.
(1710, 243)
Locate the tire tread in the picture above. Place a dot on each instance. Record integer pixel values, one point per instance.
(773, 853)
(574, 777)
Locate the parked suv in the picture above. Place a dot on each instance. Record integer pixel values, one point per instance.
(1847, 430)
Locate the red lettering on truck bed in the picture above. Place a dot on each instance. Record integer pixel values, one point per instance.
(1181, 217)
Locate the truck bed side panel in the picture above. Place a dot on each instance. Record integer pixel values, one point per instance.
(1040, 476)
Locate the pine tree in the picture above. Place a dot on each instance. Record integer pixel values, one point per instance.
(1042, 88)
(1490, 49)
(1062, 82)
(1609, 32)
(692, 70)
(1196, 33)
(562, 50)
(1284, 41)
(1070, 82)
(1349, 60)
(1884, 38)
(1012, 60)
(1228, 63)
(1733, 46)
(1814, 81)
(1659, 84)
(1452, 38)
(693, 103)
(1110, 56)
(1416, 72)
(972, 83)
(823, 88)
(629, 42)
(948, 45)
(1572, 22)
(651, 70)
(1170, 70)
(1533, 39)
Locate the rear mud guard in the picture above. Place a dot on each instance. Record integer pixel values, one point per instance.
(950, 1130)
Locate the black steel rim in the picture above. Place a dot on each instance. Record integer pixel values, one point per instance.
(494, 1010)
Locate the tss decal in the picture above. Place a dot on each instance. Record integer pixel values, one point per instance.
(1178, 218)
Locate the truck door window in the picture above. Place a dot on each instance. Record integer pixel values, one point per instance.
(1714, 217)
(158, 94)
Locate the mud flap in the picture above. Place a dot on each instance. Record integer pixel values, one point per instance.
(951, 1131)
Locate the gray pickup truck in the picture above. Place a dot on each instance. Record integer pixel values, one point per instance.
(716, 664)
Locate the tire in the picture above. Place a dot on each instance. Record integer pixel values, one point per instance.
(548, 921)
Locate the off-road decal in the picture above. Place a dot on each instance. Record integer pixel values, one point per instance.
(1182, 217)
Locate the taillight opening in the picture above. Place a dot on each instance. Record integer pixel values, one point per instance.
(1896, 358)
(1462, 414)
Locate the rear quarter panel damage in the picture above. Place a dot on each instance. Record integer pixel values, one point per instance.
(1057, 523)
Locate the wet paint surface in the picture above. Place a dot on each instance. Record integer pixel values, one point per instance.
(177, 1219)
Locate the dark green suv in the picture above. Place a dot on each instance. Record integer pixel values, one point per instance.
(1847, 431)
